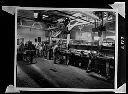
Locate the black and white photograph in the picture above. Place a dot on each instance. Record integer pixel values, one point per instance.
(65, 48)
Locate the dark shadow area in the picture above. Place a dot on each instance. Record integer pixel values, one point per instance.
(42, 82)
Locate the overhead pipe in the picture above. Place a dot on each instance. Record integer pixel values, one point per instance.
(69, 15)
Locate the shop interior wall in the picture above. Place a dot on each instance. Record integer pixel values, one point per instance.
(30, 34)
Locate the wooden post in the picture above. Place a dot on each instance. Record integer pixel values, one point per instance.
(95, 23)
(50, 37)
(68, 39)
(101, 39)
(92, 34)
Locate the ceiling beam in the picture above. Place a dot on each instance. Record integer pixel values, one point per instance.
(73, 17)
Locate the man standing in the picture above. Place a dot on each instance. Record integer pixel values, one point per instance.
(55, 52)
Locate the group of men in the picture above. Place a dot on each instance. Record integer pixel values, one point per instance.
(42, 49)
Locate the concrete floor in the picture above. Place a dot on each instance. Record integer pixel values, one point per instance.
(45, 74)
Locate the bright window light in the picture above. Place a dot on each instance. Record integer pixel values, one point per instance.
(35, 15)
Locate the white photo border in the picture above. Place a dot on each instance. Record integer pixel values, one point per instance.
(68, 89)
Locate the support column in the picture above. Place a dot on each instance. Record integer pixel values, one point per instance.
(92, 34)
(68, 39)
(50, 38)
(101, 39)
